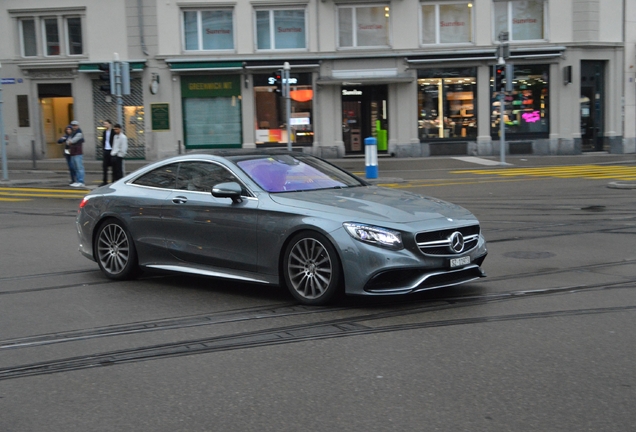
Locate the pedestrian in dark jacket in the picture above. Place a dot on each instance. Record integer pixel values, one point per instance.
(67, 151)
(107, 146)
(77, 157)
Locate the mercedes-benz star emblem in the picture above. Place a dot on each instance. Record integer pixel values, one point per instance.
(457, 242)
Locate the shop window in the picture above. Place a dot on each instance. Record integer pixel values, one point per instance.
(59, 35)
(446, 104)
(526, 107)
(208, 30)
(363, 26)
(279, 29)
(447, 23)
(523, 20)
(271, 115)
(212, 111)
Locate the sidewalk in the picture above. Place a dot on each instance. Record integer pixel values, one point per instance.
(53, 173)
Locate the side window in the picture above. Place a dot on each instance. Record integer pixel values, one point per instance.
(164, 177)
(202, 176)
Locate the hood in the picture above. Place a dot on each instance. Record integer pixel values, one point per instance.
(373, 203)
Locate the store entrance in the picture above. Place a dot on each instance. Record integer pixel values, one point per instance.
(364, 114)
(592, 106)
(56, 103)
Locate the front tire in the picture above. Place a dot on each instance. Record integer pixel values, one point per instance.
(311, 268)
(115, 251)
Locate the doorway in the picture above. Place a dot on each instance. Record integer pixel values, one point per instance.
(56, 105)
(364, 114)
(592, 105)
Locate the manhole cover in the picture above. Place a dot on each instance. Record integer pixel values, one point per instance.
(529, 255)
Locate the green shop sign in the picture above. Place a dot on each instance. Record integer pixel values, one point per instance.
(210, 86)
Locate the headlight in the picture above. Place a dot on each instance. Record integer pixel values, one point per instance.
(374, 235)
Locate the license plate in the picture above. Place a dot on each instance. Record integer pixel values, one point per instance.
(458, 262)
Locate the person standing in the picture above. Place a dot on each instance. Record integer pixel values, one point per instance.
(67, 151)
(117, 154)
(107, 143)
(77, 156)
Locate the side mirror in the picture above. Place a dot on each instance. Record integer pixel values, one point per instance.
(230, 190)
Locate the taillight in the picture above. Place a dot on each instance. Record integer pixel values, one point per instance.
(83, 203)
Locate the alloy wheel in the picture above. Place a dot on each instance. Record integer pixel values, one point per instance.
(113, 249)
(310, 268)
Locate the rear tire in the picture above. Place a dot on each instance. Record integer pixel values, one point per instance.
(311, 268)
(115, 251)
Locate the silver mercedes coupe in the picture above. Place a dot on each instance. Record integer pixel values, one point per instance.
(278, 218)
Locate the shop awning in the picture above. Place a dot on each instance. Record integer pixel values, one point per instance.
(135, 66)
(365, 81)
(196, 66)
(486, 54)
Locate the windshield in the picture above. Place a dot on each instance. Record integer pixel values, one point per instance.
(286, 173)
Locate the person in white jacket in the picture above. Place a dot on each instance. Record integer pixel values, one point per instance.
(118, 152)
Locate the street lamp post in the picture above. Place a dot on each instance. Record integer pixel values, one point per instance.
(3, 142)
(503, 52)
(286, 93)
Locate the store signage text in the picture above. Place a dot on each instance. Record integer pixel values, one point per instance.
(210, 86)
(452, 23)
(272, 80)
(531, 117)
(289, 29)
(352, 92)
(524, 21)
(217, 31)
(370, 27)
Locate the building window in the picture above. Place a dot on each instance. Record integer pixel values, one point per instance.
(281, 29)
(526, 108)
(48, 35)
(51, 37)
(209, 30)
(363, 26)
(74, 30)
(23, 111)
(271, 117)
(523, 20)
(447, 23)
(28, 38)
(446, 103)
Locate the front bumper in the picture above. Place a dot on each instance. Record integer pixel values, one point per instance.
(371, 270)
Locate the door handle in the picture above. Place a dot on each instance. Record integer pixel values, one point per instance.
(180, 200)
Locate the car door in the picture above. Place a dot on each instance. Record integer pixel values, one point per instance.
(143, 207)
(203, 230)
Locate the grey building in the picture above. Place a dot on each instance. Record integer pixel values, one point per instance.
(416, 75)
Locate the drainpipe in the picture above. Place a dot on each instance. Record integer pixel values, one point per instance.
(140, 15)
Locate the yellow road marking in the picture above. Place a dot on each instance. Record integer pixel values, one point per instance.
(26, 194)
(594, 172)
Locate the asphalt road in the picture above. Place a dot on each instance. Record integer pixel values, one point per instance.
(545, 343)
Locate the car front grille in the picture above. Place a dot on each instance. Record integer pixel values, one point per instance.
(441, 242)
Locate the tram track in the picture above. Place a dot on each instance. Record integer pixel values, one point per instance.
(338, 328)
(330, 328)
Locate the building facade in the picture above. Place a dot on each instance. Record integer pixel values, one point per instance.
(416, 75)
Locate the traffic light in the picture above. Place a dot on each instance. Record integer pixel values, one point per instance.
(500, 77)
(107, 75)
(279, 81)
(503, 77)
